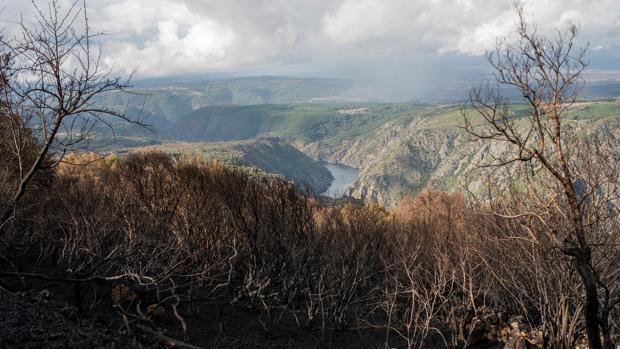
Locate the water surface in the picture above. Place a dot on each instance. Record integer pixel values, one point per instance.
(344, 177)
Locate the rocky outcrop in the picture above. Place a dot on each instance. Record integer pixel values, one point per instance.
(396, 159)
(401, 158)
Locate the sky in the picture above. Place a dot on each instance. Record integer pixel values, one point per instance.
(403, 41)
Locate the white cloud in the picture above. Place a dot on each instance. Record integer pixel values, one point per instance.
(181, 36)
(202, 46)
(435, 25)
(138, 16)
(166, 37)
(463, 26)
(363, 20)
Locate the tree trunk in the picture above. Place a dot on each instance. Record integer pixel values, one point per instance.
(591, 301)
(583, 254)
(21, 190)
(6, 218)
(604, 321)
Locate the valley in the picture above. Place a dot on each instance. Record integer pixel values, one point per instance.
(398, 149)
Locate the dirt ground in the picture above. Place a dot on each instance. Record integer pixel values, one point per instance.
(33, 320)
(47, 315)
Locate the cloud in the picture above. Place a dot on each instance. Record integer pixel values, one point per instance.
(201, 46)
(171, 37)
(432, 26)
(362, 21)
(463, 26)
(168, 37)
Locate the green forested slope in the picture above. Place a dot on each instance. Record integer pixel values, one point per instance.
(270, 155)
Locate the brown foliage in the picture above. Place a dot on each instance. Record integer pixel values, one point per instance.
(437, 269)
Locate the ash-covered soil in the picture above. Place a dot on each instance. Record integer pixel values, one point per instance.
(34, 319)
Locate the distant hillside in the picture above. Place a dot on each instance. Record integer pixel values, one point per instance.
(164, 103)
(269, 155)
(398, 148)
(175, 100)
(300, 123)
(408, 154)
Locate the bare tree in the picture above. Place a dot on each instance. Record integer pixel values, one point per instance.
(52, 74)
(547, 72)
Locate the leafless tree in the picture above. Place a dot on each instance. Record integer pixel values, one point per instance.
(547, 72)
(52, 74)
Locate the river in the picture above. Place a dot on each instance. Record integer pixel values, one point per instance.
(344, 177)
